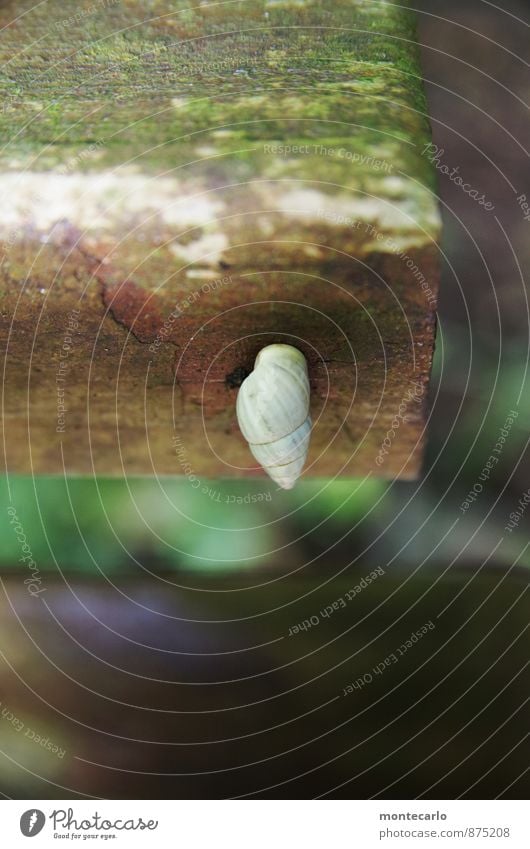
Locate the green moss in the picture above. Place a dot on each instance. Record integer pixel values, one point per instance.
(216, 84)
(289, 62)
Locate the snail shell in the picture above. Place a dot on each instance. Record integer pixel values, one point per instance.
(273, 412)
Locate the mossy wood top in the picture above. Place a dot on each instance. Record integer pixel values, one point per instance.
(184, 183)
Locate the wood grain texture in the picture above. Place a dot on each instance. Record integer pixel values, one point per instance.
(185, 184)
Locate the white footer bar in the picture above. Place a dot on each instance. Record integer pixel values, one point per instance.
(267, 824)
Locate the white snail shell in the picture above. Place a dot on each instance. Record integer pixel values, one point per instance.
(273, 412)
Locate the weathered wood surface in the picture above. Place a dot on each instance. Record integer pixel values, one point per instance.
(182, 184)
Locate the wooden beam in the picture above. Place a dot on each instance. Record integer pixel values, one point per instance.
(184, 186)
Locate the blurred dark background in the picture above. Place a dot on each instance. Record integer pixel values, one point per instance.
(158, 660)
